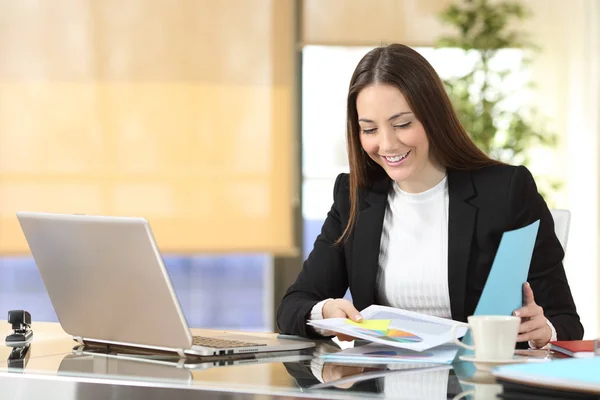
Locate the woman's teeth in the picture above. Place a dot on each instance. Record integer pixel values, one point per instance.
(396, 158)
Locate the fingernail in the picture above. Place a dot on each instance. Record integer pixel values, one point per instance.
(358, 318)
(516, 313)
(528, 285)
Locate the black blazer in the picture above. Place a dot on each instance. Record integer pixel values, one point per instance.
(483, 204)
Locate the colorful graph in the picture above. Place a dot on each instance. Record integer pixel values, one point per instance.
(379, 329)
(393, 335)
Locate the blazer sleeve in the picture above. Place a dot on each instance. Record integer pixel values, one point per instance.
(546, 273)
(323, 274)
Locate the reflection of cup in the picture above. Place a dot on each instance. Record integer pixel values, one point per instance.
(494, 336)
(480, 386)
(481, 392)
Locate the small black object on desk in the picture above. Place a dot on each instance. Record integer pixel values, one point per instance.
(18, 357)
(21, 325)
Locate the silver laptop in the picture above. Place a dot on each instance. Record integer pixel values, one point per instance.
(108, 284)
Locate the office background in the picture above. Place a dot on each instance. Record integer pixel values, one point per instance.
(223, 124)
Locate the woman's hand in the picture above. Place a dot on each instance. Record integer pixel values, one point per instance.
(534, 327)
(341, 308)
(332, 372)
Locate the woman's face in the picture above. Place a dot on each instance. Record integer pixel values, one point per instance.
(394, 138)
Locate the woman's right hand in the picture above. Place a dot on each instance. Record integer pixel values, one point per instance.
(341, 308)
(333, 372)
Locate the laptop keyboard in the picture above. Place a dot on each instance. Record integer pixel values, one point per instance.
(221, 343)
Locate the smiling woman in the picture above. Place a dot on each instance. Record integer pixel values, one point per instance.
(389, 81)
(418, 220)
(398, 143)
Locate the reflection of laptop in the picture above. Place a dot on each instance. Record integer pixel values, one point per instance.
(170, 360)
(108, 284)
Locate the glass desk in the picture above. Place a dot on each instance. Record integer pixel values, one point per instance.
(54, 366)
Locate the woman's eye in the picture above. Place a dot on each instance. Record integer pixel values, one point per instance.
(406, 125)
(367, 131)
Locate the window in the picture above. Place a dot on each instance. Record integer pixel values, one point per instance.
(220, 291)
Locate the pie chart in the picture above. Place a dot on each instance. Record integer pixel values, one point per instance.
(394, 335)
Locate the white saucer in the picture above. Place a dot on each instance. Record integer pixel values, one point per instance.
(488, 365)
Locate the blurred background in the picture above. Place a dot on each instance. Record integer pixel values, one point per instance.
(223, 124)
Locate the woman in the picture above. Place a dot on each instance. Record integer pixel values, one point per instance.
(417, 222)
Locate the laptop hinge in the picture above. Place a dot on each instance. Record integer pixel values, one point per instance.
(79, 340)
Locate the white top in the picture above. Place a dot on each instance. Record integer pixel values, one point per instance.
(413, 255)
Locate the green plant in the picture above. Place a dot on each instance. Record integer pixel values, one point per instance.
(498, 119)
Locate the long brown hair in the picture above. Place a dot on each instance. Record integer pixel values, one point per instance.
(449, 145)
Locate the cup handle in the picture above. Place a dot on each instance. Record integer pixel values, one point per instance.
(464, 394)
(458, 342)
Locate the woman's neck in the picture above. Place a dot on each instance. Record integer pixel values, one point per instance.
(427, 178)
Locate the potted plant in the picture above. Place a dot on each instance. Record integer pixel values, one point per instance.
(494, 111)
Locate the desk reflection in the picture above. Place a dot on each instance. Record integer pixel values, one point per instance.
(129, 363)
(119, 368)
(304, 373)
(396, 380)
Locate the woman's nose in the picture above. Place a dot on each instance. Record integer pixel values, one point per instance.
(389, 140)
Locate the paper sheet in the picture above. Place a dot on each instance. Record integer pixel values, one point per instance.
(503, 290)
(408, 330)
(381, 354)
(374, 324)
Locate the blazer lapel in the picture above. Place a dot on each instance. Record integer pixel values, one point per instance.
(366, 241)
(461, 222)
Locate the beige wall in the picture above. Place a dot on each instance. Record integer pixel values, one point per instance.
(178, 111)
(368, 22)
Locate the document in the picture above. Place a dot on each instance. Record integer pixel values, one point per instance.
(567, 374)
(396, 328)
(369, 375)
(374, 353)
(503, 290)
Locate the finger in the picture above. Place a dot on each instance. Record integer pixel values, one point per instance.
(531, 335)
(337, 312)
(350, 311)
(532, 325)
(527, 294)
(530, 311)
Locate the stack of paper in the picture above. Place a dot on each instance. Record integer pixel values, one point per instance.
(396, 328)
(382, 354)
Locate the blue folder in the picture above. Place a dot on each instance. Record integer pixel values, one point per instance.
(503, 291)
(568, 374)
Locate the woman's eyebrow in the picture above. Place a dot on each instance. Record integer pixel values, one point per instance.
(389, 119)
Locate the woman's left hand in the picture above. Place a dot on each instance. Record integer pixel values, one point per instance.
(534, 327)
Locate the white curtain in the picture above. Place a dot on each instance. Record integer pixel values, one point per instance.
(582, 162)
(567, 73)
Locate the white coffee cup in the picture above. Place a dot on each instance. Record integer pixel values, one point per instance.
(494, 336)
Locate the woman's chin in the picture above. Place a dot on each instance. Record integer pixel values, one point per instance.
(398, 175)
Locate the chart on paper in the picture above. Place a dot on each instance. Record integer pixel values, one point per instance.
(394, 327)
